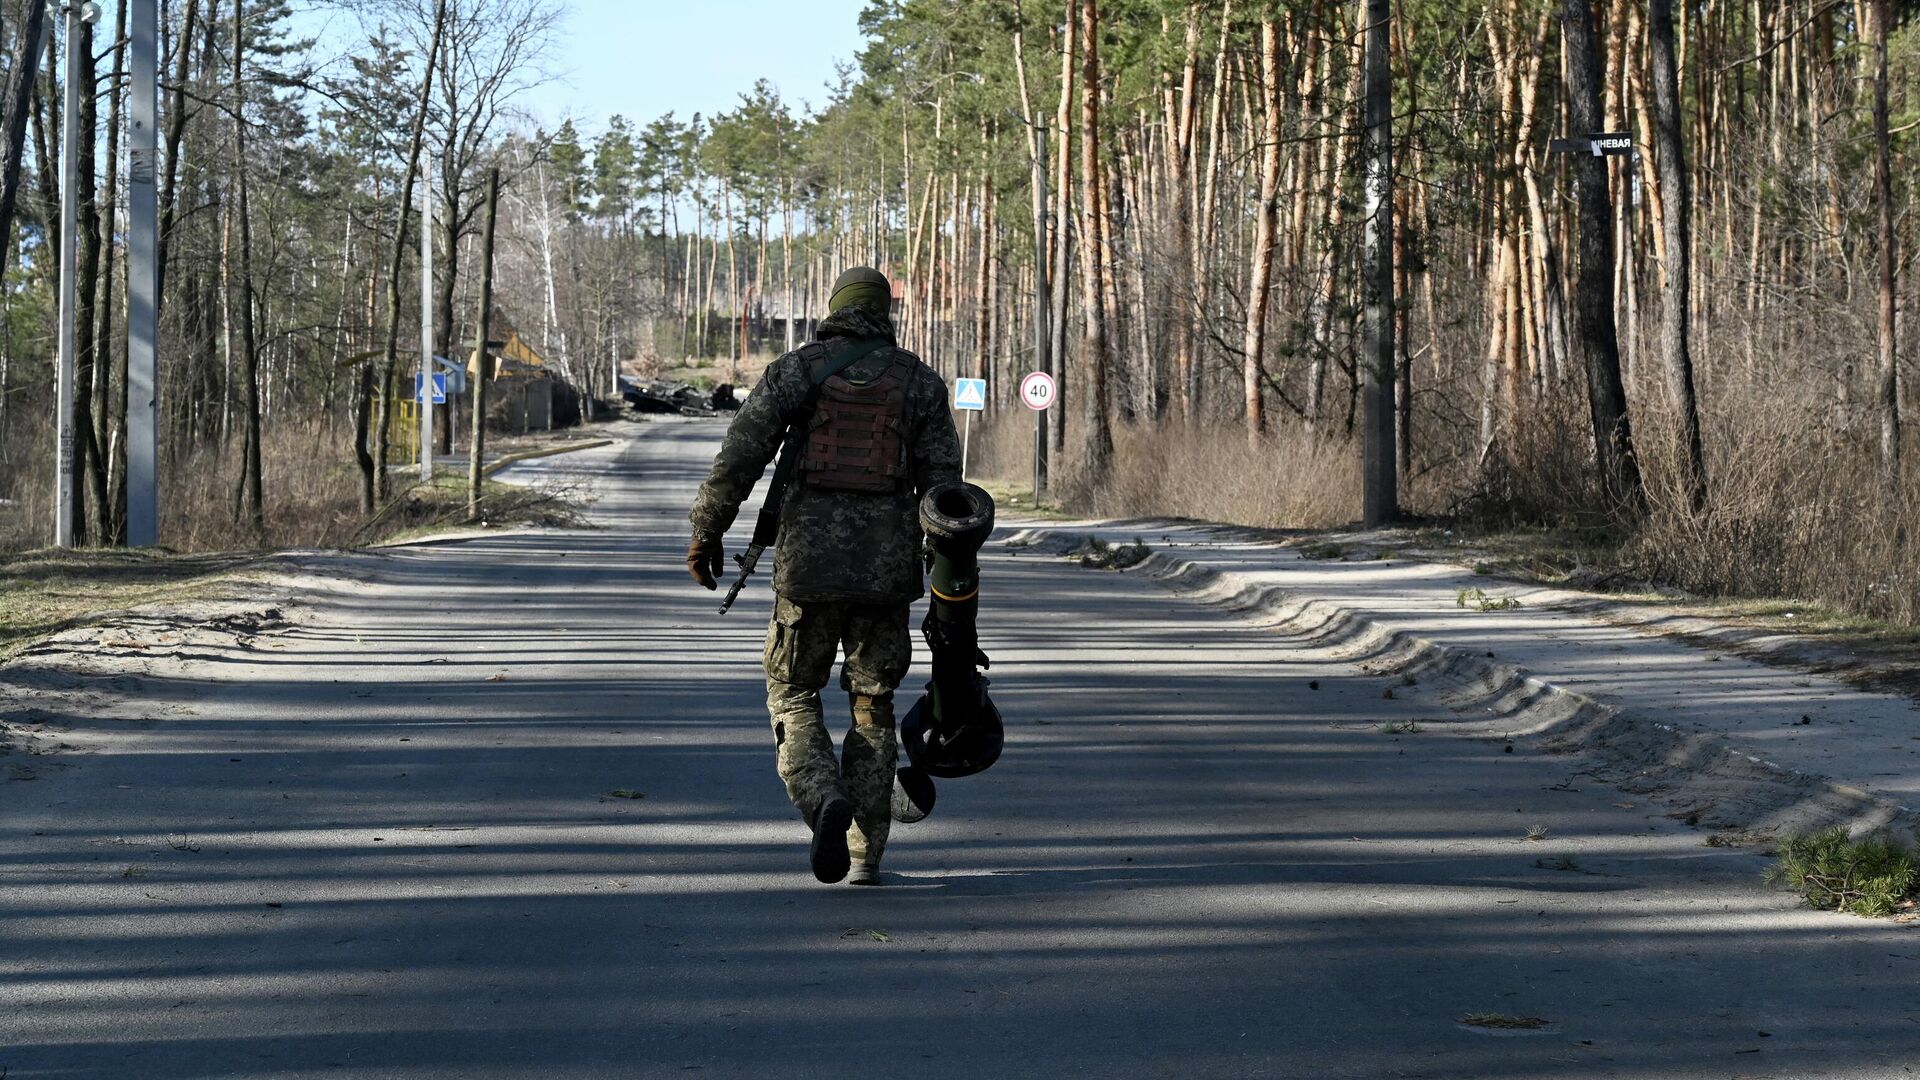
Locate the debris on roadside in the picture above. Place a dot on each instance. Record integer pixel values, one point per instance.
(1479, 599)
(1503, 1022)
(1097, 554)
(1832, 871)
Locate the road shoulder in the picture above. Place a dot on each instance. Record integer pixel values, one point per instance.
(1663, 703)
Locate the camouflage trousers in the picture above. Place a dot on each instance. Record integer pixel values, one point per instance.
(802, 641)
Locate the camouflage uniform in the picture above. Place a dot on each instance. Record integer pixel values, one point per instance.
(846, 572)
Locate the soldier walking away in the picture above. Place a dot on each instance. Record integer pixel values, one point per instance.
(868, 425)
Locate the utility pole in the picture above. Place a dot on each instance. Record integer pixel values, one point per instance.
(143, 273)
(426, 319)
(1381, 491)
(65, 485)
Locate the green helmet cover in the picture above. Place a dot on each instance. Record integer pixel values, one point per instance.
(861, 285)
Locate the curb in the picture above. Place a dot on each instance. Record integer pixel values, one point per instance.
(546, 451)
(1639, 754)
(463, 535)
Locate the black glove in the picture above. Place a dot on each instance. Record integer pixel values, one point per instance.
(705, 561)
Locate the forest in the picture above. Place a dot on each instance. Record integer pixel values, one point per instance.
(1688, 361)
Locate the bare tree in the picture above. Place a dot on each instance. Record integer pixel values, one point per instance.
(178, 112)
(490, 52)
(25, 61)
(375, 487)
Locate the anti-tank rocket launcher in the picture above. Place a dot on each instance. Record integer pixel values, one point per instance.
(954, 729)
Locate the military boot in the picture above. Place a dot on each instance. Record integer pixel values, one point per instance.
(829, 851)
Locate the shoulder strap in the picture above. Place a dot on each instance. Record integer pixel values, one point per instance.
(823, 363)
(827, 363)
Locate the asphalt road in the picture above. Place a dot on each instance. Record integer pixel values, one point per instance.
(379, 842)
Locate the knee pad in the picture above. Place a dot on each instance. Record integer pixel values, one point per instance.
(872, 710)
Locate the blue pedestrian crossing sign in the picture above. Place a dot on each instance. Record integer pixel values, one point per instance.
(970, 394)
(439, 388)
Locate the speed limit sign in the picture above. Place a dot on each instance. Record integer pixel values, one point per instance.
(1037, 390)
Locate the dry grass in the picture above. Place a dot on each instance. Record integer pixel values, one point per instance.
(311, 490)
(26, 483)
(1290, 480)
(1798, 509)
(310, 485)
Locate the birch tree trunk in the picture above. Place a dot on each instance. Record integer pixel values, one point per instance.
(1260, 270)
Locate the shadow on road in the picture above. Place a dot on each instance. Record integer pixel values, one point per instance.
(382, 843)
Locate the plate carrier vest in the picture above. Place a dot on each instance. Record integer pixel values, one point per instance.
(856, 440)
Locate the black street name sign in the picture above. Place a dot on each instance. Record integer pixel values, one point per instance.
(1599, 144)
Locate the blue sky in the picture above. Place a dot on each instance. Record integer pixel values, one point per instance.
(642, 58)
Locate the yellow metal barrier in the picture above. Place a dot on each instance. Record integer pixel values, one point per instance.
(403, 433)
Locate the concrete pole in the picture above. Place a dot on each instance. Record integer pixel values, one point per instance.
(426, 319)
(143, 274)
(64, 480)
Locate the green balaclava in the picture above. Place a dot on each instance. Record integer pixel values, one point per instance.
(865, 286)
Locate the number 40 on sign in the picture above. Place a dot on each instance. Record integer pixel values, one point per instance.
(1036, 390)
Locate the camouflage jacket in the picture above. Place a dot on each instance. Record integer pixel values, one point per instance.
(835, 545)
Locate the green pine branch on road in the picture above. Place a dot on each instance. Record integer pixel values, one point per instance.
(1872, 876)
